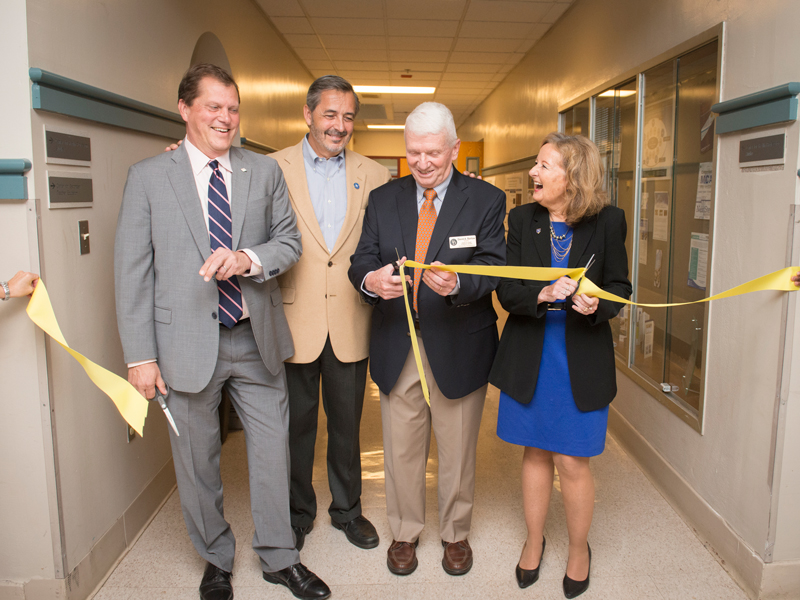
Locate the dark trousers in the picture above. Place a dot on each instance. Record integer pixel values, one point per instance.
(343, 387)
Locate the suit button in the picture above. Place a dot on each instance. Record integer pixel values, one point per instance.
(330, 263)
(326, 296)
(213, 315)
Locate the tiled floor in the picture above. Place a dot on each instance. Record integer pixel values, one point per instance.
(641, 549)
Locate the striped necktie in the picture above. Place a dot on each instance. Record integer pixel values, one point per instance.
(425, 224)
(219, 230)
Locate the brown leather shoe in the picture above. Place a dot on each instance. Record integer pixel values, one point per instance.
(402, 557)
(457, 557)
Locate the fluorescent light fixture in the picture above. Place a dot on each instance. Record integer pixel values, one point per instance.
(386, 126)
(622, 93)
(393, 89)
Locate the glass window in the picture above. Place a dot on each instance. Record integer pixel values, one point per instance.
(615, 136)
(668, 120)
(575, 121)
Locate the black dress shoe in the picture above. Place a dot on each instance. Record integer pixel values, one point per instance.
(216, 584)
(300, 581)
(360, 532)
(300, 535)
(574, 588)
(527, 577)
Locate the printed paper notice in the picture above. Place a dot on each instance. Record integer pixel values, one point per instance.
(643, 241)
(649, 334)
(661, 219)
(698, 261)
(705, 183)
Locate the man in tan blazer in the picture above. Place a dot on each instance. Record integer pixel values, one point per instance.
(328, 188)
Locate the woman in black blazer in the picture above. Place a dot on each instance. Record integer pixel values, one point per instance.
(555, 364)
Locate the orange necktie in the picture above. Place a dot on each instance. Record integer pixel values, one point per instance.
(425, 223)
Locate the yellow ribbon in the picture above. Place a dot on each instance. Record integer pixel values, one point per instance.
(777, 281)
(130, 403)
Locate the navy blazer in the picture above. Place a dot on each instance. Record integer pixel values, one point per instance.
(459, 332)
(590, 349)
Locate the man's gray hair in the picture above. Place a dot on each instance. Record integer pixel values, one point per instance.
(432, 118)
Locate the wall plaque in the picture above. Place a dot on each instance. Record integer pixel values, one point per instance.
(762, 151)
(64, 145)
(68, 191)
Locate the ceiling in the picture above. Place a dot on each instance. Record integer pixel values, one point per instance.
(464, 48)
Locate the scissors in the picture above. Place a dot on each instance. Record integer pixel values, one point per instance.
(588, 265)
(162, 402)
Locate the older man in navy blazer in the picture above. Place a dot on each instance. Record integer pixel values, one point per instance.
(438, 216)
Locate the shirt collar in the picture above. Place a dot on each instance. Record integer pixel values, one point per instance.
(441, 189)
(311, 156)
(199, 161)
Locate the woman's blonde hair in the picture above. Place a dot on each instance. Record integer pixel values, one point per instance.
(580, 160)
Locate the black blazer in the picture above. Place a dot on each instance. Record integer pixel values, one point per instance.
(590, 350)
(459, 333)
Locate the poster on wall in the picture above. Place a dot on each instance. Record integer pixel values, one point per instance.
(643, 236)
(657, 146)
(657, 269)
(698, 260)
(649, 334)
(705, 183)
(513, 189)
(661, 220)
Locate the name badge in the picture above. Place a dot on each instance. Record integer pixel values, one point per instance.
(463, 241)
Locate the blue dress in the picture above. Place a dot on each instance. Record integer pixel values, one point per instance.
(552, 421)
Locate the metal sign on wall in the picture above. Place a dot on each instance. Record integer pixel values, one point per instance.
(69, 190)
(64, 147)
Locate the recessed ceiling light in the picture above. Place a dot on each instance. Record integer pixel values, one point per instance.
(622, 93)
(393, 89)
(386, 126)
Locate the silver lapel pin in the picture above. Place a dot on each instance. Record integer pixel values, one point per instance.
(244, 170)
(539, 230)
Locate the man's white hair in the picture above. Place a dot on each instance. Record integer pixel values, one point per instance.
(432, 118)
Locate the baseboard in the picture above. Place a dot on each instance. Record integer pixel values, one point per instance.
(90, 574)
(781, 581)
(730, 550)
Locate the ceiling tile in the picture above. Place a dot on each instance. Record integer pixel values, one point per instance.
(555, 13)
(365, 77)
(480, 57)
(420, 43)
(322, 72)
(302, 40)
(417, 66)
(352, 65)
(348, 26)
(514, 12)
(363, 42)
(423, 79)
(477, 29)
(281, 8)
(311, 53)
(418, 27)
(292, 25)
(440, 9)
(417, 56)
(319, 65)
(486, 45)
(476, 68)
(338, 54)
(368, 9)
(467, 77)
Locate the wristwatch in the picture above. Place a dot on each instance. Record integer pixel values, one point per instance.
(7, 290)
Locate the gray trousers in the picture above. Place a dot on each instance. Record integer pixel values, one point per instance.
(261, 403)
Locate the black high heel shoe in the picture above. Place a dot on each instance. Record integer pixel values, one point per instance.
(574, 588)
(527, 577)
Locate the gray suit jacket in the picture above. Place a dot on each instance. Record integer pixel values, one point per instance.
(164, 308)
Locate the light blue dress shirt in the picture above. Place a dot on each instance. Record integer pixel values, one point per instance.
(327, 186)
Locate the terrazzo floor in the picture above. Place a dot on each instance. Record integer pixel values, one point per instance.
(641, 548)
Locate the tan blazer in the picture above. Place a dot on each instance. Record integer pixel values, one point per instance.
(318, 298)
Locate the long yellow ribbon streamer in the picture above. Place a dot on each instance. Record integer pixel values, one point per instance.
(130, 403)
(777, 281)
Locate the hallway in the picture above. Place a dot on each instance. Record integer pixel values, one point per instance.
(642, 549)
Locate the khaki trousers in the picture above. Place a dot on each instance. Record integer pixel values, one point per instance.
(407, 422)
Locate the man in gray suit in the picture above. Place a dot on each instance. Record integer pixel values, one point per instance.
(202, 234)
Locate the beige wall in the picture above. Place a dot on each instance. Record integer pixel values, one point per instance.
(103, 487)
(379, 143)
(26, 546)
(598, 41)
